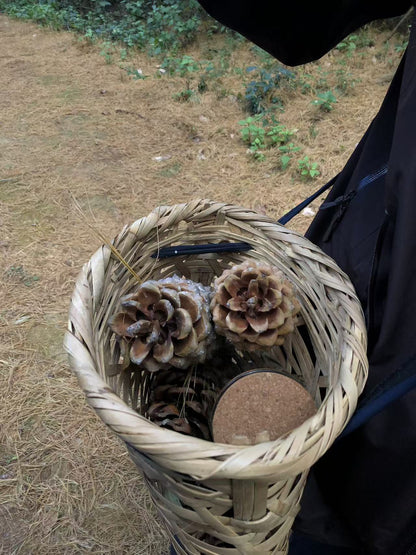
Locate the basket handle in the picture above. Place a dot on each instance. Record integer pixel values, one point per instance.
(182, 250)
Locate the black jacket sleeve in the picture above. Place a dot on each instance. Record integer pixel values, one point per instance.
(300, 31)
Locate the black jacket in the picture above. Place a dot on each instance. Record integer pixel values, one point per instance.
(362, 493)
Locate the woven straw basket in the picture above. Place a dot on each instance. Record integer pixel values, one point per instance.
(215, 498)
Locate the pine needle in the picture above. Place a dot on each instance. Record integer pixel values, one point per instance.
(192, 373)
(104, 239)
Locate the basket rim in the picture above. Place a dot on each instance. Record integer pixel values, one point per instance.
(202, 459)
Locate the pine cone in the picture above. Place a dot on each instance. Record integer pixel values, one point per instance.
(254, 306)
(182, 403)
(166, 323)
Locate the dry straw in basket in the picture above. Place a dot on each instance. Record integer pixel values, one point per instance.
(215, 498)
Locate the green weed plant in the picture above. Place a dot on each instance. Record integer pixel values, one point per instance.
(181, 66)
(157, 27)
(261, 135)
(307, 169)
(325, 101)
(260, 93)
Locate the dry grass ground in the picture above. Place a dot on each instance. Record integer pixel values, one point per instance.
(74, 125)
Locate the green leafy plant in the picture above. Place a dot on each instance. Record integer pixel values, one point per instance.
(321, 81)
(185, 95)
(355, 41)
(251, 131)
(260, 93)
(345, 80)
(279, 134)
(287, 151)
(89, 36)
(107, 51)
(363, 39)
(256, 149)
(285, 161)
(254, 135)
(305, 83)
(348, 45)
(260, 135)
(202, 84)
(313, 131)
(325, 101)
(44, 13)
(308, 170)
(399, 48)
(180, 66)
(157, 27)
(290, 148)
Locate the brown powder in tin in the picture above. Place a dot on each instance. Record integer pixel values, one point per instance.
(260, 406)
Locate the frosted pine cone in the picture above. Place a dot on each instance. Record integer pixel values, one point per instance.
(254, 306)
(166, 323)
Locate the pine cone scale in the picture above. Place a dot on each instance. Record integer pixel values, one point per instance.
(120, 324)
(163, 352)
(269, 338)
(219, 314)
(235, 322)
(233, 285)
(202, 326)
(130, 307)
(287, 327)
(164, 310)
(259, 322)
(178, 425)
(223, 295)
(273, 296)
(171, 295)
(149, 293)
(161, 410)
(250, 335)
(276, 318)
(139, 350)
(183, 324)
(184, 347)
(141, 327)
(191, 307)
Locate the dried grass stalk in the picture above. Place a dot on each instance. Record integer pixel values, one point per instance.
(222, 498)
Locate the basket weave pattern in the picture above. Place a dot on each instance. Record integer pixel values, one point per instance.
(222, 499)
